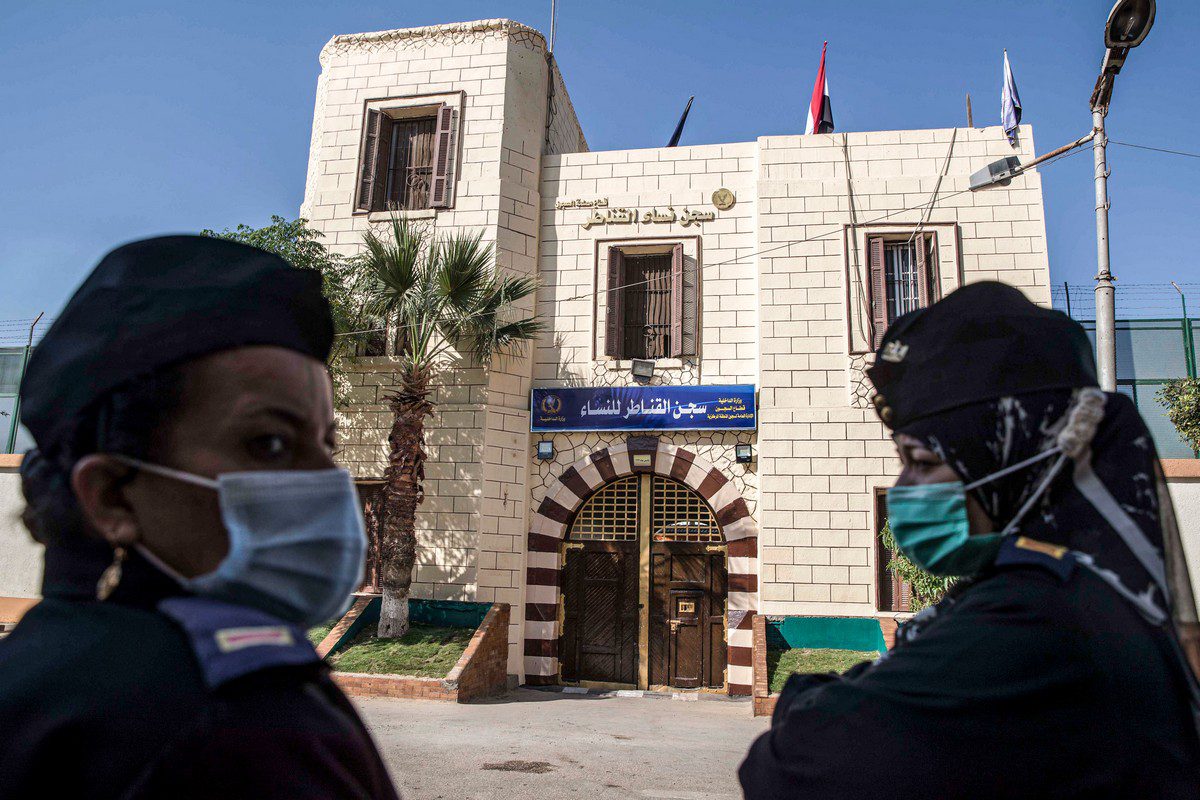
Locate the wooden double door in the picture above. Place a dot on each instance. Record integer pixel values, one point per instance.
(644, 589)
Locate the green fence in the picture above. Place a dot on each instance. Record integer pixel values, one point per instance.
(13, 437)
(1151, 352)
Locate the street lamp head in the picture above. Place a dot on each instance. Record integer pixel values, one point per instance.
(1128, 23)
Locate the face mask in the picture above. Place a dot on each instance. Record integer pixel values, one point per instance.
(296, 541)
(931, 528)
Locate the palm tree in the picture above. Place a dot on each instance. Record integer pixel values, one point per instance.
(448, 303)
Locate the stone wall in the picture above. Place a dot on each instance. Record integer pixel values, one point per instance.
(823, 451)
(20, 556)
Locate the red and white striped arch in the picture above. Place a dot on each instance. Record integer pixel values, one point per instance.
(549, 525)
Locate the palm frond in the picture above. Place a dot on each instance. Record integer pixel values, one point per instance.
(463, 269)
(394, 267)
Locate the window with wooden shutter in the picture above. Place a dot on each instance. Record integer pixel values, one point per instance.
(648, 323)
(409, 169)
(444, 153)
(903, 278)
(614, 306)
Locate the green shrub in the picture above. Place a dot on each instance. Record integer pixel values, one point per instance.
(1181, 398)
(927, 589)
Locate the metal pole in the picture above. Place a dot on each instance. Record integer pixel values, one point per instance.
(1067, 289)
(16, 412)
(1106, 324)
(553, 22)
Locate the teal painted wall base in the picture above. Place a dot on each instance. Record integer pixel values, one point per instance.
(825, 633)
(443, 613)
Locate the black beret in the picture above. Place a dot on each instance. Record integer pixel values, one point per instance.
(157, 302)
(981, 342)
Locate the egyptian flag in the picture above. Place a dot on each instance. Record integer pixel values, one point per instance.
(820, 113)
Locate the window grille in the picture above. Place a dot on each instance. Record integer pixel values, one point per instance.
(677, 514)
(609, 515)
(647, 325)
(903, 278)
(410, 163)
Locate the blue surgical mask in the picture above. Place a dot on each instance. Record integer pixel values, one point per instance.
(930, 525)
(296, 541)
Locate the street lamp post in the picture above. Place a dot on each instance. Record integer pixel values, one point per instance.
(1128, 23)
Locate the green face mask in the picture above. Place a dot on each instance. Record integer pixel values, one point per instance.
(930, 525)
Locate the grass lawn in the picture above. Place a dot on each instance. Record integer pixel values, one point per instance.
(782, 663)
(426, 651)
(315, 635)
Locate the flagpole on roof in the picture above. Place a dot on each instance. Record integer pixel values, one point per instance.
(682, 120)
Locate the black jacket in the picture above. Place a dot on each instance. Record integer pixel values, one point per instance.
(124, 699)
(1034, 682)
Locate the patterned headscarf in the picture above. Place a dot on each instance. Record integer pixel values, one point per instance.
(983, 438)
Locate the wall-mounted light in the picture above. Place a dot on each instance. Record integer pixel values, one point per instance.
(643, 369)
(545, 450)
(743, 453)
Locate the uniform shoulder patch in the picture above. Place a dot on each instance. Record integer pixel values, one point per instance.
(1023, 551)
(233, 639)
(230, 641)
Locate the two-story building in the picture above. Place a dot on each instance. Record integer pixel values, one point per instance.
(705, 445)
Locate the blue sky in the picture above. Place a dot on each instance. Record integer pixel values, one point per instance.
(127, 119)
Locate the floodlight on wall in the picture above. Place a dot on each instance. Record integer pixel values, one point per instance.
(643, 369)
(545, 450)
(996, 172)
(743, 453)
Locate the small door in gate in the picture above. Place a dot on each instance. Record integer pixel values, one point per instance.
(687, 626)
(600, 628)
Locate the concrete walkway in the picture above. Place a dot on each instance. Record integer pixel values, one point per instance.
(534, 744)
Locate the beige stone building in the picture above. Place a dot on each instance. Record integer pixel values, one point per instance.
(637, 557)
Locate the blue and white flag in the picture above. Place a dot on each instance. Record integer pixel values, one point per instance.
(1010, 104)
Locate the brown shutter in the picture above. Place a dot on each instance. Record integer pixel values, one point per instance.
(922, 271)
(441, 194)
(932, 275)
(614, 303)
(370, 159)
(879, 314)
(677, 296)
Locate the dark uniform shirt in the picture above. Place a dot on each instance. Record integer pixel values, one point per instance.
(1036, 681)
(159, 694)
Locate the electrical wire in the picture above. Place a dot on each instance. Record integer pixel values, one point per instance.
(1155, 149)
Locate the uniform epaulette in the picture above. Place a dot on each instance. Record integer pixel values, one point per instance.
(230, 641)
(1021, 550)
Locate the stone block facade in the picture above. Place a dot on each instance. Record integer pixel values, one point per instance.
(778, 296)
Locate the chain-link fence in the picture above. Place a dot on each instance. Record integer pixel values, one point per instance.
(1156, 341)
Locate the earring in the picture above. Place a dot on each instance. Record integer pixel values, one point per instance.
(111, 576)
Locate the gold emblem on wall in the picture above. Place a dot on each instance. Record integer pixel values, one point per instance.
(723, 199)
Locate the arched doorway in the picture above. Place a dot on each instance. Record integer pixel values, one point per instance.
(557, 510)
(644, 588)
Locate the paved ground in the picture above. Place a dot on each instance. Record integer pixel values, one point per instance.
(535, 744)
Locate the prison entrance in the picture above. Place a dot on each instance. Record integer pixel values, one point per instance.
(644, 589)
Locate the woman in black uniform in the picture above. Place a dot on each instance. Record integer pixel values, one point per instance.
(1054, 667)
(195, 525)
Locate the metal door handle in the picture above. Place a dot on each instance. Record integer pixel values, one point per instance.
(674, 624)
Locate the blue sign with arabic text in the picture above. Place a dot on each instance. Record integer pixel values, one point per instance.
(644, 408)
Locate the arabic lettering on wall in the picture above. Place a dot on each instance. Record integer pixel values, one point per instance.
(629, 216)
